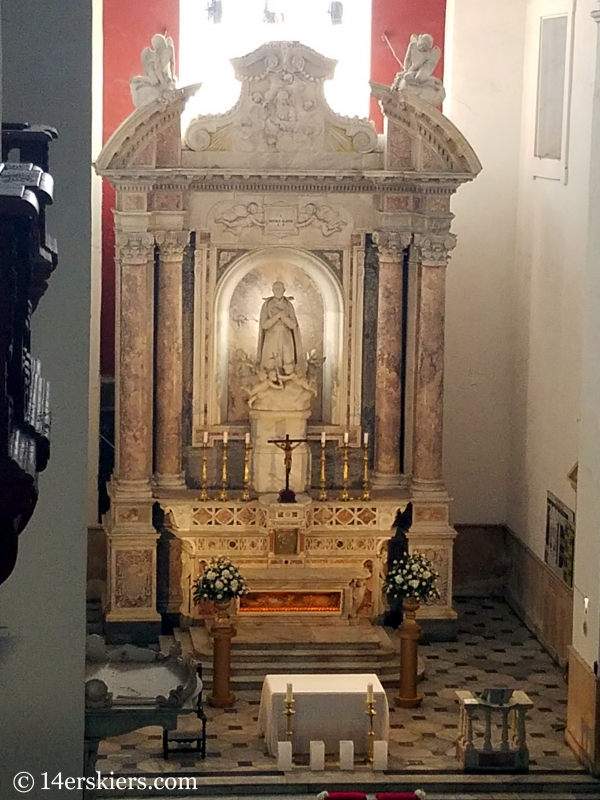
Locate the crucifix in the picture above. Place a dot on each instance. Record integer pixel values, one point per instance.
(287, 495)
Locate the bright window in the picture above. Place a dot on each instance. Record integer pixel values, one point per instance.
(551, 87)
(206, 47)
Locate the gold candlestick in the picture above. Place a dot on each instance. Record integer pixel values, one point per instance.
(344, 495)
(246, 490)
(370, 712)
(323, 481)
(223, 493)
(203, 492)
(289, 712)
(366, 492)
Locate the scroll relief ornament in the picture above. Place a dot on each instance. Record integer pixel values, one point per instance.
(280, 220)
(282, 108)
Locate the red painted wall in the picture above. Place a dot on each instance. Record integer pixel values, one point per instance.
(129, 26)
(398, 19)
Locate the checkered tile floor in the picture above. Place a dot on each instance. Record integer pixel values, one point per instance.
(493, 649)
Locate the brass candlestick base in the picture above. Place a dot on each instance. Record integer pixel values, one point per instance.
(289, 712)
(245, 496)
(370, 712)
(323, 477)
(366, 492)
(344, 495)
(223, 493)
(203, 491)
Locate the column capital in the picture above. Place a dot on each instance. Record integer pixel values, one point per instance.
(434, 249)
(391, 244)
(134, 247)
(595, 14)
(172, 244)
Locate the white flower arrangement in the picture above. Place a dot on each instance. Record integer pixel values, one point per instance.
(412, 576)
(220, 581)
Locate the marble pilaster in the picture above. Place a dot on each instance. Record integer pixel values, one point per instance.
(169, 351)
(429, 365)
(388, 386)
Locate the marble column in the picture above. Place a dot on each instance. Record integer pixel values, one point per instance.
(133, 445)
(432, 258)
(169, 370)
(131, 537)
(388, 386)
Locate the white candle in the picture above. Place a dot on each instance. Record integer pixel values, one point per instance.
(323, 438)
(247, 439)
(288, 693)
(345, 437)
(369, 692)
(225, 437)
(365, 439)
(205, 437)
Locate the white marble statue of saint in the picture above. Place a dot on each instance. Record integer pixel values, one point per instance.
(417, 71)
(158, 80)
(279, 341)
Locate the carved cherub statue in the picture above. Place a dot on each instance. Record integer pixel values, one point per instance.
(158, 80)
(417, 71)
(269, 379)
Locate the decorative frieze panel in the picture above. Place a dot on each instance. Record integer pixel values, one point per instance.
(133, 586)
(234, 546)
(331, 545)
(279, 219)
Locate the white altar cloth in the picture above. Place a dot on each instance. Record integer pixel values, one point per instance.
(327, 708)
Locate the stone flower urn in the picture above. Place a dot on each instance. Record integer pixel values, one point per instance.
(409, 633)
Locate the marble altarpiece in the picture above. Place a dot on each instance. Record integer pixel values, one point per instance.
(279, 210)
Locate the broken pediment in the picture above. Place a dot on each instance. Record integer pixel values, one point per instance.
(282, 118)
(419, 137)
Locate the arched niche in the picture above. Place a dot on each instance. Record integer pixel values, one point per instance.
(319, 306)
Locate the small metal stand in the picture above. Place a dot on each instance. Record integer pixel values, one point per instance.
(289, 712)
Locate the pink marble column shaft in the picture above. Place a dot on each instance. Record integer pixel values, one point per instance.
(169, 352)
(388, 389)
(429, 362)
(133, 446)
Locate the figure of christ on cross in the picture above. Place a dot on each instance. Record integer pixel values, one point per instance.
(287, 495)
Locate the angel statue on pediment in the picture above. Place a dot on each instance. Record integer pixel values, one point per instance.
(158, 80)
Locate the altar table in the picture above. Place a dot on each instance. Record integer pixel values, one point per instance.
(327, 708)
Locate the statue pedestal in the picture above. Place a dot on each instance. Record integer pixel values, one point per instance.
(268, 467)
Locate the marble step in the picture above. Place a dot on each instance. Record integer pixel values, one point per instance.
(304, 785)
(248, 673)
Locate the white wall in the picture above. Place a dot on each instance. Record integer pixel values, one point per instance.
(587, 546)
(47, 78)
(551, 248)
(484, 59)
